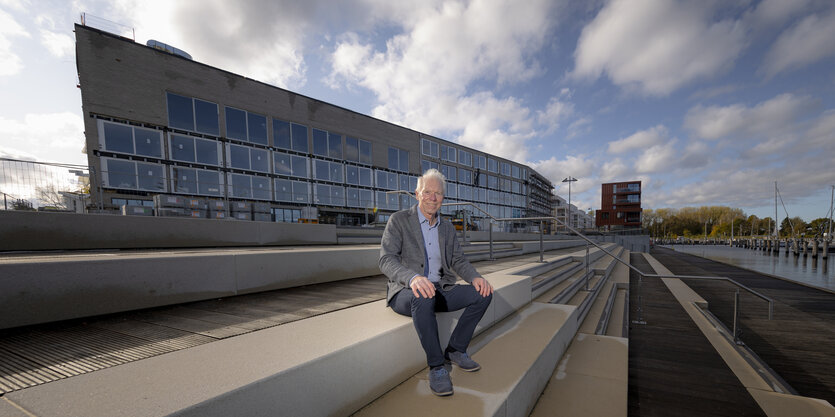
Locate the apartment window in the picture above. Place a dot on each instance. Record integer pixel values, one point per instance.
(329, 195)
(516, 172)
(328, 171)
(352, 149)
(133, 175)
(292, 191)
(427, 165)
(449, 172)
(481, 162)
(245, 157)
(481, 179)
(290, 165)
(451, 190)
(191, 149)
(465, 158)
(334, 146)
(287, 215)
(398, 159)
(122, 138)
(192, 114)
(290, 136)
(245, 126)
(448, 153)
(429, 148)
(515, 187)
(320, 142)
(505, 168)
(492, 165)
(249, 187)
(465, 176)
(358, 175)
(196, 181)
(493, 182)
(465, 192)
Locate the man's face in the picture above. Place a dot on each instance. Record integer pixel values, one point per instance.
(431, 197)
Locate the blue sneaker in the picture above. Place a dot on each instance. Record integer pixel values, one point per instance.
(463, 361)
(439, 381)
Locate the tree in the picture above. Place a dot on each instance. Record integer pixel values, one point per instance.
(792, 227)
(49, 195)
(818, 227)
(21, 204)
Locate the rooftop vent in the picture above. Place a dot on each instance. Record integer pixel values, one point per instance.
(168, 48)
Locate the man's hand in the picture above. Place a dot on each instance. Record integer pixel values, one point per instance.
(422, 286)
(482, 286)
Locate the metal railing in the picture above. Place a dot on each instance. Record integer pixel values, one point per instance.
(641, 274)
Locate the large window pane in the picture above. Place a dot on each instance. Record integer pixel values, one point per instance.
(281, 163)
(208, 182)
(320, 142)
(239, 157)
(180, 112)
(148, 142)
(492, 165)
(336, 172)
(404, 182)
(352, 175)
(281, 134)
(300, 166)
(260, 160)
(206, 117)
(283, 190)
(184, 180)
(207, 151)
(366, 198)
(257, 128)
(261, 188)
(335, 146)
(392, 181)
(351, 149)
(365, 152)
(121, 174)
(321, 170)
(382, 200)
(241, 186)
(465, 158)
(151, 177)
(182, 148)
(235, 124)
(323, 194)
(382, 179)
(299, 138)
(301, 192)
(118, 137)
(337, 196)
(365, 176)
(394, 159)
(352, 197)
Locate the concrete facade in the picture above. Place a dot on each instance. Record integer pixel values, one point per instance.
(128, 87)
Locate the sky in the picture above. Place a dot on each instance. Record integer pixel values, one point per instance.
(707, 102)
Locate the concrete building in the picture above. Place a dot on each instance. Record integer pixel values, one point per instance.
(620, 205)
(570, 214)
(159, 123)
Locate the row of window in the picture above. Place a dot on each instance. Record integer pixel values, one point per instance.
(200, 116)
(466, 158)
(146, 176)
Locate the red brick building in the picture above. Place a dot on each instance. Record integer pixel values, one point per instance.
(620, 204)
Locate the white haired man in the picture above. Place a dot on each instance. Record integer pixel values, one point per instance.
(421, 257)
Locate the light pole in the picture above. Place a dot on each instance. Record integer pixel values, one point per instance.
(569, 180)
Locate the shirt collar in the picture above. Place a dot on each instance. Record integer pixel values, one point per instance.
(423, 219)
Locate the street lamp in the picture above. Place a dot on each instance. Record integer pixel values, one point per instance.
(569, 180)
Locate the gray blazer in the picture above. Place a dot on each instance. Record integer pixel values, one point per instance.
(402, 252)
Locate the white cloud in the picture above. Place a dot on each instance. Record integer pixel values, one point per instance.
(614, 170)
(763, 120)
(424, 77)
(640, 140)
(808, 42)
(657, 46)
(581, 167)
(554, 112)
(50, 137)
(9, 28)
(58, 44)
(657, 158)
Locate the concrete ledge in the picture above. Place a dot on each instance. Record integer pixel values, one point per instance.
(519, 357)
(23, 230)
(40, 289)
(331, 364)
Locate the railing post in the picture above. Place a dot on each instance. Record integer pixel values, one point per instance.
(541, 246)
(464, 228)
(587, 266)
(490, 233)
(736, 318)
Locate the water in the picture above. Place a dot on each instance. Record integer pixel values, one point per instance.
(808, 270)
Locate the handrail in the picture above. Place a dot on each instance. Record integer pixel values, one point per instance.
(587, 239)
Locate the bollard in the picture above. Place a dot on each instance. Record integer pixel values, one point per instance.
(825, 252)
(805, 247)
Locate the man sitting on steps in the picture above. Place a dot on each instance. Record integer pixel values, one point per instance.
(420, 255)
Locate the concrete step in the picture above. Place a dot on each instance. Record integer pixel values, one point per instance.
(590, 381)
(544, 282)
(519, 357)
(332, 364)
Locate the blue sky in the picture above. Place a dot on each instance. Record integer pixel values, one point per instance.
(708, 102)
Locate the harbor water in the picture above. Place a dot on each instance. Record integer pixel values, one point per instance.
(805, 269)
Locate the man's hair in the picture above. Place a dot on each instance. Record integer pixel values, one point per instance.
(431, 173)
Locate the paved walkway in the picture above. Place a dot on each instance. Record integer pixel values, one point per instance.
(799, 343)
(673, 368)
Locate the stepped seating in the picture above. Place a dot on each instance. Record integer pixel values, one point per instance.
(336, 364)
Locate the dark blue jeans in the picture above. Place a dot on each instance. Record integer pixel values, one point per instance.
(422, 311)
